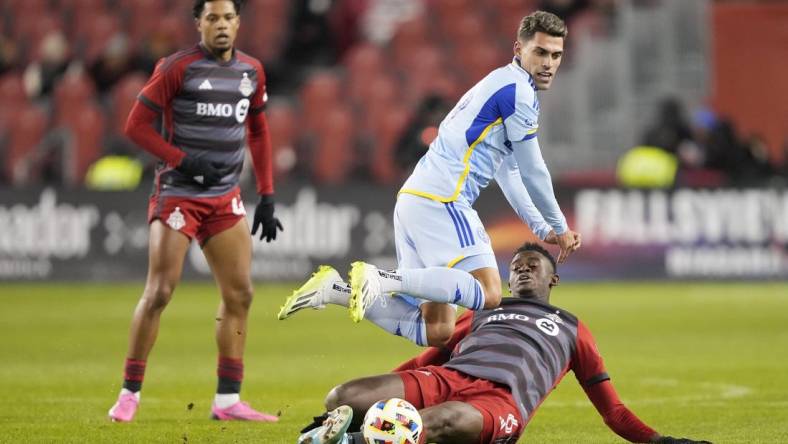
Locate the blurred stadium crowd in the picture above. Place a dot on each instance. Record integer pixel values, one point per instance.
(357, 87)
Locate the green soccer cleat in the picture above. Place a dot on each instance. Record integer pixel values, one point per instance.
(313, 293)
(364, 288)
(333, 430)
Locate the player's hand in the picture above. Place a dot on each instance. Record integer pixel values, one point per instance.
(672, 440)
(551, 238)
(264, 216)
(568, 242)
(203, 171)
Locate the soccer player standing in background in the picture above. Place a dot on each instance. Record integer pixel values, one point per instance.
(443, 251)
(207, 97)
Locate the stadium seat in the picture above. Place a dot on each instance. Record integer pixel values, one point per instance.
(140, 12)
(72, 89)
(266, 38)
(124, 94)
(381, 93)
(320, 93)
(514, 8)
(446, 8)
(12, 90)
(478, 59)
(409, 36)
(364, 63)
(85, 124)
(465, 28)
(101, 30)
(382, 165)
(71, 5)
(76, 112)
(26, 131)
(507, 25)
(283, 126)
(31, 28)
(334, 154)
(25, 6)
(427, 64)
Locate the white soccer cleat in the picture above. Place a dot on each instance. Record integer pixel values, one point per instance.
(365, 288)
(333, 429)
(313, 293)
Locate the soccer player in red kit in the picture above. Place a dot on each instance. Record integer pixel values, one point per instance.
(499, 366)
(207, 99)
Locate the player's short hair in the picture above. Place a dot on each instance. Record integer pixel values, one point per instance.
(541, 21)
(199, 6)
(532, 246)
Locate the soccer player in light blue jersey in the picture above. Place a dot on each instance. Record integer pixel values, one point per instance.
(443, 251)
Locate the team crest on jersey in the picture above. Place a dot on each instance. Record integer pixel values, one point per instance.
(509, 424)
(237, 207)
(176, 221)
(246, 87)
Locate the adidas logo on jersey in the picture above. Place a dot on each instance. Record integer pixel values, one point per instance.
(205, 85)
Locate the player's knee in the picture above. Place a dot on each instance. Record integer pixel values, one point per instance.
(492, 296)
(332, 400)
(157, 296)
(439, 333)
(343, 394)
(441, 424)
(238, 298)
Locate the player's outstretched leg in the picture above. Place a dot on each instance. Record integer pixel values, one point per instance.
(436, 284)
(333, 429)
(325, 286)
(365, 288)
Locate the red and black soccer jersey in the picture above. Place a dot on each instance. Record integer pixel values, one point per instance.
(204, 103)
(529, 346)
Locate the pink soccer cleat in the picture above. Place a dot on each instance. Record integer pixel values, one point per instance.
(125, 408)
(241, 411)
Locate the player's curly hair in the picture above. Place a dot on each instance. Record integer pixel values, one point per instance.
(199, 5)
(541, 21)
(532, 246)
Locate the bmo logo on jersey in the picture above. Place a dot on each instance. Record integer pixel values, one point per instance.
(240, 110)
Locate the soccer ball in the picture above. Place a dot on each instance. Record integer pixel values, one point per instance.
(393, 421)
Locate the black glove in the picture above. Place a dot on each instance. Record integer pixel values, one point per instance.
(672, 440)
(203, 171)
(264, 215)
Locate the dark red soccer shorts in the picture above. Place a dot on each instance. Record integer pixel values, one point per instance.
(432, 385)
(198, 217)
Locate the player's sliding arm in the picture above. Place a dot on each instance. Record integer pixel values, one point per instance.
(538, 183)
(590, 372)
(508, 178)
(436, 355)
(259, 141)
(622, 421)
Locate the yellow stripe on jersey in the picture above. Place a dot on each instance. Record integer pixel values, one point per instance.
(454, 261)
(466, 160)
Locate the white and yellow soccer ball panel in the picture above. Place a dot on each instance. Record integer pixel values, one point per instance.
(393, 421)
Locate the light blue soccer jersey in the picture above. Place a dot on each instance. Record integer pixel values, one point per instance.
(478, 137)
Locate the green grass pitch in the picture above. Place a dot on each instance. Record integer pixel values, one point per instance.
(700, 360)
